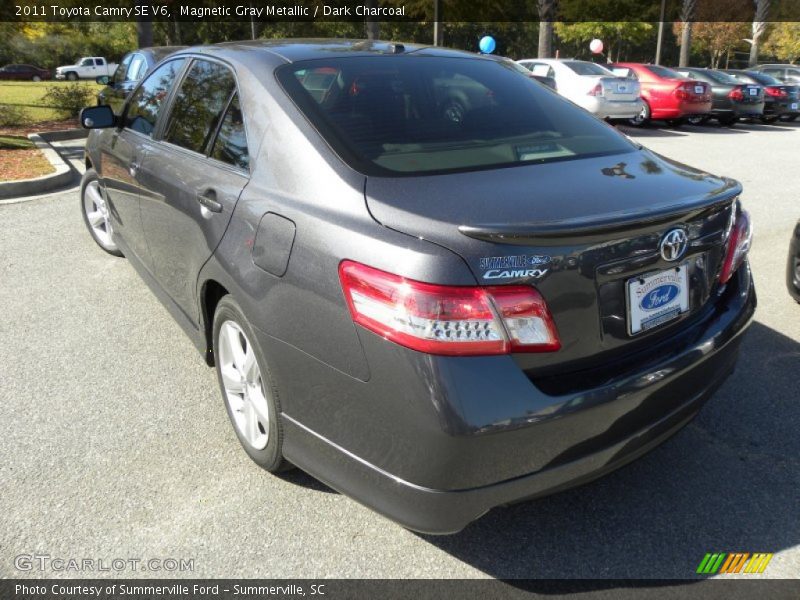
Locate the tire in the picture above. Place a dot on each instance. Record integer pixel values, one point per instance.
(697, 120)
(791, 117)
(36, 78)
(769, 119)
(95, 211)
(643, 117)
(250, 397)
(72, 76)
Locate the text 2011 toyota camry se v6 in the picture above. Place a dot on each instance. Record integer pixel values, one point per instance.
(434, 312)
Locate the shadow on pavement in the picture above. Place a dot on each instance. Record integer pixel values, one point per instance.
(727, 482)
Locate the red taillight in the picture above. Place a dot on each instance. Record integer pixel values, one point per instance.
(736, 94)
(596, 90)
(739, 240)
(776, 92)
(439, 319)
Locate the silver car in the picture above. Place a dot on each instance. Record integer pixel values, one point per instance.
(590, 86)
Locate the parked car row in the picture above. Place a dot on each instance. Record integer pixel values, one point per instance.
(644, 92)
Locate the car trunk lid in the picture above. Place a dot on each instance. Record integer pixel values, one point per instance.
(577, 231)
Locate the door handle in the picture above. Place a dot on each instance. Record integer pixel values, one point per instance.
(208, 199)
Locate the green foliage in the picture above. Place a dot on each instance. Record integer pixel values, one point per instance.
(12, 116)
(613, 34)
(50, 45)
(784, 41)
(70, 97)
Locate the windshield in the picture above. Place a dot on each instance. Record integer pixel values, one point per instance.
(664, 72)
(587, 68)
(413, 114)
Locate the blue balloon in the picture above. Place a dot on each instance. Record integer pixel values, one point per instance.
(487, 44)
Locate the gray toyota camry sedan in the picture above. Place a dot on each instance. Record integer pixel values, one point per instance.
(424, 279)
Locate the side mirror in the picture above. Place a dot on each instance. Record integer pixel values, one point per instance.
(103, 80)
(97, 117)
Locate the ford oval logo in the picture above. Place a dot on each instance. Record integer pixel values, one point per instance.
(660, 296)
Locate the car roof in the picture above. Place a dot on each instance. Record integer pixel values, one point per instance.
(293, 50)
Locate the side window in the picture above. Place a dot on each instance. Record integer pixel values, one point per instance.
(135, 71)
(87, 62)
(199, 103)
(231, 143)
(119, 74)
(145, 103)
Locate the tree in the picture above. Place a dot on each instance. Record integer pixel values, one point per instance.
(718, 39)
(759, 27)
(613, 34)
(547, 13)
(784, 41)
(687, 14)
(144, 29)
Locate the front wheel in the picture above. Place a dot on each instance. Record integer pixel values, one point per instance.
(36, 78)
(96, 215)
(72, 76)
(251, 399)
(643, 116)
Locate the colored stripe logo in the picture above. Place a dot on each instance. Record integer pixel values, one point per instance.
(733, 562)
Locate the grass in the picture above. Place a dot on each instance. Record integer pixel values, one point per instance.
(29, 96)
(15, 142)
(20, 159)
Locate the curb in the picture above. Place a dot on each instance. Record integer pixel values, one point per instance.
(63, 172)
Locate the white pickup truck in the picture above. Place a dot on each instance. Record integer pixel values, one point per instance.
(88, 67)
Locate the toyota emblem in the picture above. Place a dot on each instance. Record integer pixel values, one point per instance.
(674, 244)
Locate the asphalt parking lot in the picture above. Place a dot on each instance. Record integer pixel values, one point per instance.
(116, 443)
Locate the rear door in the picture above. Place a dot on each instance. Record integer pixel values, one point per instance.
(192, 178)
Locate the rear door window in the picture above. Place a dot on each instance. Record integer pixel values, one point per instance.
(199, 105)
(230, 145)
(145, 104)
(418, 114)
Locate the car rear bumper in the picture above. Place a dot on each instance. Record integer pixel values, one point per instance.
(612, 109)
(475, 442)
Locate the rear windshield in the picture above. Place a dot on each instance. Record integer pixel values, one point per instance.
(664, 72)
(763, 79)
(587, 68)
(403, 115)
(721, 77)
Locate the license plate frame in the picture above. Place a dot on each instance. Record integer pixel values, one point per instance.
(646, 311)
(699, 90)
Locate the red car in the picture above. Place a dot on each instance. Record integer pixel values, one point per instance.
(23, 73)
(667, 95)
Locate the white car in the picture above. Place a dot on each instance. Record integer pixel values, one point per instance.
(590, 86)
(88, 67)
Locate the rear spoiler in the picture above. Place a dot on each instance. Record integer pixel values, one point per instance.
(591, 229)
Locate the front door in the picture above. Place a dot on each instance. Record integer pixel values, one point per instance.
(122, 156)
(192, 179)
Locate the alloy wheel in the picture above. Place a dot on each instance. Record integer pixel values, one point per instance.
(243, 385)
(96, 209)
